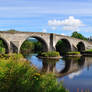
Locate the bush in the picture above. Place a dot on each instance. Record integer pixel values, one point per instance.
(2, 50)
(90, 50)
(12, 31)
(73, 53)
(2, 47)
(20, 76)
(49, 54)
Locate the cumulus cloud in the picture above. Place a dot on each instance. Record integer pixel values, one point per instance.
(44, 30)
(62, 34)
(70, 24)
(71, 76)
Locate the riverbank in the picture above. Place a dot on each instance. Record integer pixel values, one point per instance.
(73, 54)
(87, 53)
(50, 57)
(17, 75)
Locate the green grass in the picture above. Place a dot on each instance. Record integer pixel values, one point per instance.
(49, 54)
(90, 50)
(73, 53)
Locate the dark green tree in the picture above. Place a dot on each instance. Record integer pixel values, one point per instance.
(38, 47)
(2, 48)
(12, 31)
(78, 35)
(31, 47)
(62, 47)
(27, 47)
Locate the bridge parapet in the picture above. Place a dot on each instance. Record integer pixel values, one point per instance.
(49, 40)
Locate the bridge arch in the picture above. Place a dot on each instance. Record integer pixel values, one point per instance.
(40, 39)
(63, 45)
(80, 46)
(6, 45)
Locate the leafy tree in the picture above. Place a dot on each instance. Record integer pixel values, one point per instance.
(2, 48)
(38, 47)
(1, 44)
(78, 35)
(12, 31)
(31, 47)
(27, 47)
(62, 47)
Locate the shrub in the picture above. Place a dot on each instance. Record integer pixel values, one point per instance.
(49, 54)
(90, 50)
(12, 31)
(2, 50)
(73, 53)
(20, 76)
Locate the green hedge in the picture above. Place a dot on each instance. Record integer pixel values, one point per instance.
(17, 75)
(72, 53)
(90, 50)
(49, 54)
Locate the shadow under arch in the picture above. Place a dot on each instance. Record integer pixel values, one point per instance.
(43, 42)
(5, 44)
(81, 46)
(63, 46)
(81, 61)
(67, 66)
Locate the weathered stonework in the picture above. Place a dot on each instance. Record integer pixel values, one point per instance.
(15, 40)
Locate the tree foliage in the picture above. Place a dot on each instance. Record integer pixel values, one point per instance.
(12, 31)
(78, 35)
(17, 75)
(63, 46)
(27, 47)
(2, 47)
(31, 47)
(38, 47)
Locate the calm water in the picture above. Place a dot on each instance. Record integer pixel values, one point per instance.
(74, 72)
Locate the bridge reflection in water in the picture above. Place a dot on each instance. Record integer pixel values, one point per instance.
(75, 72)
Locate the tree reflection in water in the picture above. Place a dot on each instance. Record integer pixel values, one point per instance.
(49, 65)
(72, 64)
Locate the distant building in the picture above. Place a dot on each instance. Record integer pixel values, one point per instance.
(90, 38)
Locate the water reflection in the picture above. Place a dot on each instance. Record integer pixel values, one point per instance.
(75, 72)
(72, 64)
(49, 65)
(79, 74)
(62, 66)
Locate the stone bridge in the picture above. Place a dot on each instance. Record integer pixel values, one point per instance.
(14, 41)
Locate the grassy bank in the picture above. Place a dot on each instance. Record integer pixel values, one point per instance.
(17, 75)
(90, 50)
(73, 53)
(49, 54)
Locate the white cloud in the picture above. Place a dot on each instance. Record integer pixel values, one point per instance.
(70, 24)
(71, 76)
(62, 34)
(44, 30)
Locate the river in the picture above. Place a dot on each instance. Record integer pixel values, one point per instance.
(75, 72)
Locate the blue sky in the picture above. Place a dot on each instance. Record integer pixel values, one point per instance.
(34, 15)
